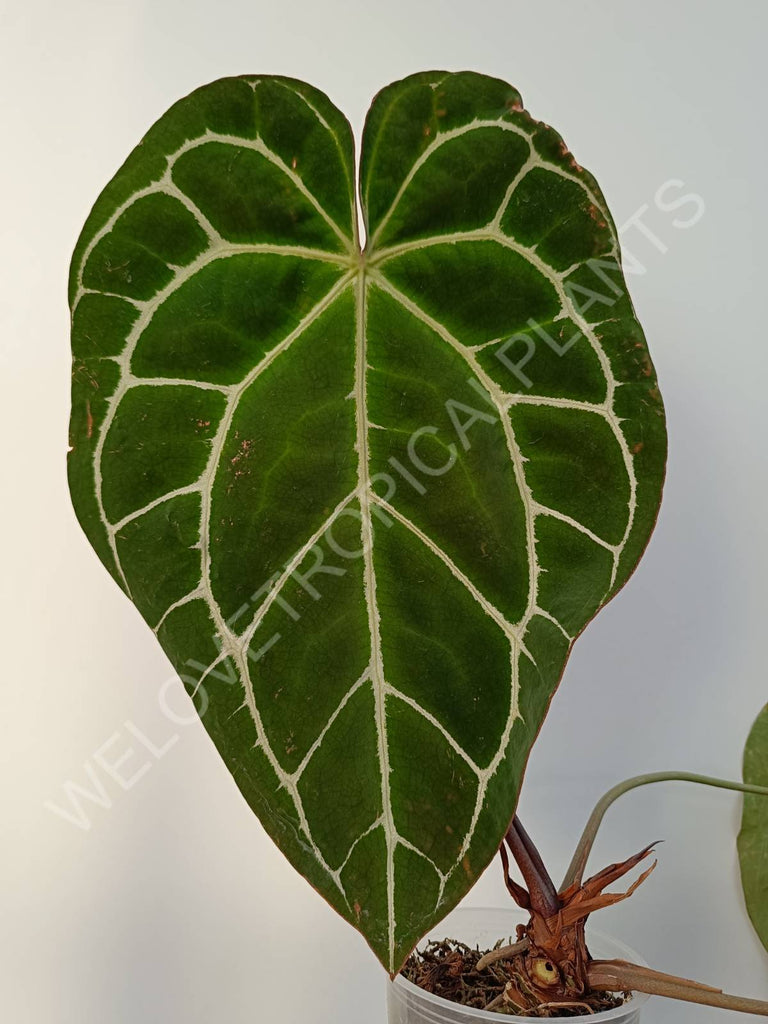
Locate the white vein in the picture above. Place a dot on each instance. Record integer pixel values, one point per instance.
(165, 185)
(133, 381)
(544, 510)
(222, 432)
(220, 657)
(499, 400)
(337, 143)
(234, 393)
(518, 465)
(364, 678)
(533, 160)
(557, 280)
(192, 488)
(259, 146)
(336, 875)
(544, 614)
(414, 849)
(488, 773)
(449, 738)
(290, 568)
(193, 595)
(369, 575)
(490, 610)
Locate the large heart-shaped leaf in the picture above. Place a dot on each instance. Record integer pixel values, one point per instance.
(365, 500)
(753, 837)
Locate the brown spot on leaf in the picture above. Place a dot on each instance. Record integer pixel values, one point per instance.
(596, 216)
(569, 158)
(636, 449)
(243, 452)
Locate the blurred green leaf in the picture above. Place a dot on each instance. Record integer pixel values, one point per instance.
(753, 837)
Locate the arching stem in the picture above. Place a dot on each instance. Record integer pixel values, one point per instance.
(578, 864)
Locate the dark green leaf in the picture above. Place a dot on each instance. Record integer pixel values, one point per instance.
(365, 500)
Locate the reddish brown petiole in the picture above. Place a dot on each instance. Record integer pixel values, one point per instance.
(550, 963)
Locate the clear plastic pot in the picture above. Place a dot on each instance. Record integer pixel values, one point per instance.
(408, 1004)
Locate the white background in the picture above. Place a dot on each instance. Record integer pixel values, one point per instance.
(174, 906)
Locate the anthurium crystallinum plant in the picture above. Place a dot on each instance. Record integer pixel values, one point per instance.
(367, 494)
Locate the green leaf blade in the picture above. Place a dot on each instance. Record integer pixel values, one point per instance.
(753, 836)
(364, 527)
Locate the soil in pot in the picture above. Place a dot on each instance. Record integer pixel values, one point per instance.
(448, 969)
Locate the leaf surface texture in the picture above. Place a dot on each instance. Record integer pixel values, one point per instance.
(365, 500)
